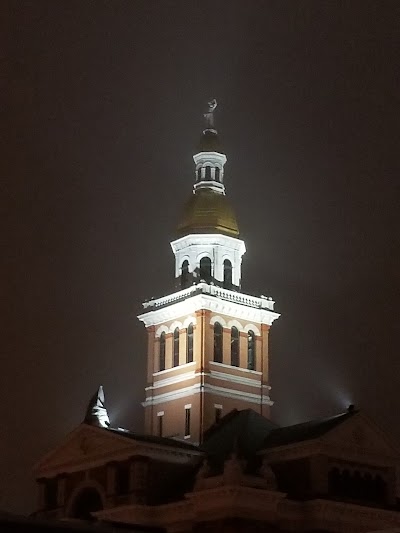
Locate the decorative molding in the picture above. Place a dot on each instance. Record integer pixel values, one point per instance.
(209, 299)
(204, 388)
(172, 380)
(161, 372)
(238, 379)
(223, 365)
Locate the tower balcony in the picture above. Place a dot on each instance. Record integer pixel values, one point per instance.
(262, 302)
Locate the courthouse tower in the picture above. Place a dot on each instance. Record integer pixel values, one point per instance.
(207, 341)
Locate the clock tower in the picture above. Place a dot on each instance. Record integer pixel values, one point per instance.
(207, 341)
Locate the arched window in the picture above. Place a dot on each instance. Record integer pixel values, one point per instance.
(162, 352)
(189, 344)
(235, 346)
(185, 274)
(208, 173)
(205, 268)
(217, 172)
(198, 174)
(227, 274)
(87, 502)
(251, 350)
(176, 347)
(217, 342)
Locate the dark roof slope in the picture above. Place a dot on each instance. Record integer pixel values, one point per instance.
(241, 431)
(164, 441)
(305, 431)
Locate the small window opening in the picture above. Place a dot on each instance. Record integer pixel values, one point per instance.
(176, 347)
(160, 425)
(218, 340)
(251, 350)
(189, 344)
(205, 269)
(122, 482)
(185, 274)
(227, 274)
(162, 352)
(234, 346)
(187, 422)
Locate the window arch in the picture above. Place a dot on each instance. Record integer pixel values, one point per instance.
(235, 354)
(205, 268)
(185, 274)
(162, 352)
(189, 343)
(251, 350)
(217, 174)
(227, 274)
(208, 173)
(176, 347)
(218, 344)
(87, 502)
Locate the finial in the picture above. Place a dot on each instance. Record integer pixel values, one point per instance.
(209, 115)
(96, 413)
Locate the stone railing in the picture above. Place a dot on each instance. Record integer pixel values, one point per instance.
(262, 302)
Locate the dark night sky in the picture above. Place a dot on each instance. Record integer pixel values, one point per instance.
(101, 114)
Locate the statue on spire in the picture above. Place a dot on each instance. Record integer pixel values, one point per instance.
(96, 414)
(209, 115)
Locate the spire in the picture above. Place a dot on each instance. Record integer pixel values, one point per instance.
(210, 159)
(96, 413)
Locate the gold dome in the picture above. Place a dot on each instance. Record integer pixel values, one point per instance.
(208, 212)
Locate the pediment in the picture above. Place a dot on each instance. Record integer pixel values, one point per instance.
(83, 448)
(361, 435)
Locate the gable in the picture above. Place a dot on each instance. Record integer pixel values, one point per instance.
(85, 447)
(360, 435)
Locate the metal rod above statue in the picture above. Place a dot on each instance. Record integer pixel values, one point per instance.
(209, 115)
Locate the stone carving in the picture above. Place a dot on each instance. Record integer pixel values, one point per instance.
(96, 414)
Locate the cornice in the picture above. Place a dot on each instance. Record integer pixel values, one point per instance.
(211, 303)
(184, 392)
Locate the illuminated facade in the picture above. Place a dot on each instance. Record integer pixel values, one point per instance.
(210, 459)
(208, 341)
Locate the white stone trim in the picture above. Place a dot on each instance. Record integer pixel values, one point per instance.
(159, 373)
(174, 325)
(160, 413)
(231, 393)
(161, 329)
(170, 396)
(252, 327)
(197, 388)
(188, 406)
(237, 379)
(172, 380)
(235, 324)
(189, 320)
(223, 365)
(219, 319)
(208, 302)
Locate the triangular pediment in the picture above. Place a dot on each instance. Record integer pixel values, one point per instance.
(360, 434)
(83, 448)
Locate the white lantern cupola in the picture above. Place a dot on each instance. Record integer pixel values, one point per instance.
(208, 249)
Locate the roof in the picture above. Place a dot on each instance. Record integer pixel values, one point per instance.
(305, 431)
(164, 441)
(241, 431)
(208, 211)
